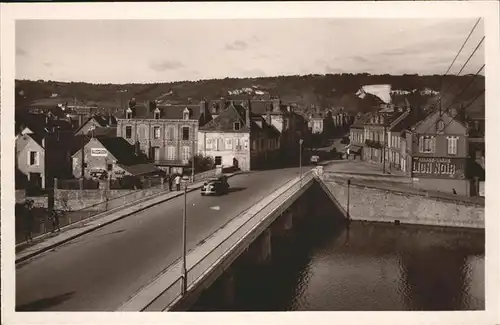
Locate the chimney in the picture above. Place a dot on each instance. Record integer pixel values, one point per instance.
(276, 104)
(222, 104)
(248, 111)
(203, 111)
(268, 117)
(80, 120)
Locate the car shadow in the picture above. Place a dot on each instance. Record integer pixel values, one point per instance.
(45, 303)
(236, 189)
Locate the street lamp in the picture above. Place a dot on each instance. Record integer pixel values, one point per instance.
(300, 160)
(184, 226)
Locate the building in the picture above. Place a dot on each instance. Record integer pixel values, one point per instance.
(110, 157)
(30, 159)
(42, 148)
(167, 135)
(438, 150)
(97, 123)
(315, 120)
(238, 137)
(291, 126)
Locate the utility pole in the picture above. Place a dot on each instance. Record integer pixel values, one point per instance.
(192, 162)
(383, 152)
(300, 160)
(184, 226)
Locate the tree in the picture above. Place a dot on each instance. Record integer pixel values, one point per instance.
(202, 163)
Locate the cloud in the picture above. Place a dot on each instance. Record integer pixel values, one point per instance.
(163, 65)
(21, 52)
(236, 46)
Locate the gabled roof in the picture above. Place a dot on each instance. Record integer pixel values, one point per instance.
(270, 131)
(122, 151)
(37, 138)
(224, 122)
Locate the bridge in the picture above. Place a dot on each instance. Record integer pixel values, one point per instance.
(135, 264)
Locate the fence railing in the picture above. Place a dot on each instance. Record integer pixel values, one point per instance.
(43, 223)
(250, 223)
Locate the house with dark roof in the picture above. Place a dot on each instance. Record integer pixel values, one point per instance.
(42, 153)
(113, 157)
(239, 137)
(166, 134)
(97, 122)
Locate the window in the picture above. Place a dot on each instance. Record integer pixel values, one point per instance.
(185, 133)
(209, 144)
(186, 114)
(427, 144)
(452, 145)
(440, 126)
(128, 114)
(229, 144)
(109, 167)
(171, 153)
(186, 153)
(156, 132)
(238, 144)
(170, 133)
(157, 114)
(33, 158)
(128, 132)
(254, 145)
(236, 126)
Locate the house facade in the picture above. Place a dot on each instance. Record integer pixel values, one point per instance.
(110, 158)
(238, 137)
(30, 159)
(167, 135)
(439, 153)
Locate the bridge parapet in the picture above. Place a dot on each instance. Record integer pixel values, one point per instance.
(209, 260)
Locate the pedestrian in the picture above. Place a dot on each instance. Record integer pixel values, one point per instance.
(454, 192)
(55, 221)
(170, 180)
(28, 220)
(178, 182)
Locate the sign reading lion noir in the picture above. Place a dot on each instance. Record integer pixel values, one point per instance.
(99, 152)
(438, 167)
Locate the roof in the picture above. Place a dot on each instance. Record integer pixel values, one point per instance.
(123, 151)
(224, 122)
(103, 132)
(171, 112)
(140, 169)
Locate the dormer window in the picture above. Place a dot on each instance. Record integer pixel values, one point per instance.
(128, 114)
(236, 126)
(440, 126)
(157, 114)
(185, 114)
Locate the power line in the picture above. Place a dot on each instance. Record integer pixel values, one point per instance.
(463, 67)
(456, 57)
(460, 94)
(469, 104)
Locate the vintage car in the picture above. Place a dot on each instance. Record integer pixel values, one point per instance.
(216, 185)
(315, 159)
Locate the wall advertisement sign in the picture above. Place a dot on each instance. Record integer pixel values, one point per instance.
(438, 167)
(98, 152)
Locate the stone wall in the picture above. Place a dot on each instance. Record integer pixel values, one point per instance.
(71, 200)
(383, 205)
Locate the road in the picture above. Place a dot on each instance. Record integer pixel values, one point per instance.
(100, 270)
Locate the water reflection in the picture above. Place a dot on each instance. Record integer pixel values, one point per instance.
(325, 266)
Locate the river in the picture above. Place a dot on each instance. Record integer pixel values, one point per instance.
(324, 266)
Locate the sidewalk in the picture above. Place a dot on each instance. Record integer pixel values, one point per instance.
(48, 241)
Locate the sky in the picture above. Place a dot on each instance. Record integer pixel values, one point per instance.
(144, 51)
